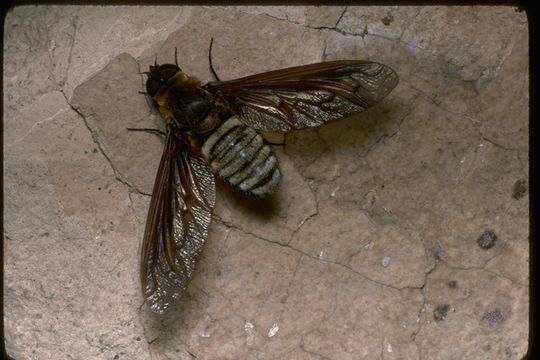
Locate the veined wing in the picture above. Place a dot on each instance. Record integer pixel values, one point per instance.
(306, 96)
(177, 225)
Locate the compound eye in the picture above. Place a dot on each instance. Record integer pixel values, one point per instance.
(167, 71)
(153, 86)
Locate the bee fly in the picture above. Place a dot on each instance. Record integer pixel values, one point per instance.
(213, 128)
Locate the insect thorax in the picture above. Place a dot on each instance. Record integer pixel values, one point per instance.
(181, 100)
(238, 154)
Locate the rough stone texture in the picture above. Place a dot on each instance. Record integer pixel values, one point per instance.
(371, 248)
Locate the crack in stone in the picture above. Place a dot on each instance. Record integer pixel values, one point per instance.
(307, 164)
(482, 268)
(92, 132)
(325, 318)
(406, 26)
(70, 55)
(323, 53)
(509, 52)
(302, 347)
(468, 117)
(293, 276)
(131, 206)
(35, 125)
(71, 47)
(400, 123)
(278, 18)
(284, 299)
(446, 58)
(524, 165)
(464, 164)
(423, 291)
(387, 136)
(230, 225)
(341, 16)
(332, 28)
(122, 259)
(494, 143)
(317, 131)
(423, 305)
(433, 100)
(305, 220)
(61, 83)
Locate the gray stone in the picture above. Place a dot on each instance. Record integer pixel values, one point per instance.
(416, 179)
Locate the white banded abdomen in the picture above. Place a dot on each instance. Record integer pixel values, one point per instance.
(238, 154)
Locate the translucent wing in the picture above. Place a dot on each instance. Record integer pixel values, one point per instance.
(178, 221)
(306, 96)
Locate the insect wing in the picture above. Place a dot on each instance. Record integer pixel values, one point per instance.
(306, 96)
(177, 225)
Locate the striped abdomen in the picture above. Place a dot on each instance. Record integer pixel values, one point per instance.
(239, 155)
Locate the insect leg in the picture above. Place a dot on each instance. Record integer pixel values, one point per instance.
(148, 130)
(210, 60)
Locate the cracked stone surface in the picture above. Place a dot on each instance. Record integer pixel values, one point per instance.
(398, 233)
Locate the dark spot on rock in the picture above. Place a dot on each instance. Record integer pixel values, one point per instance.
(94, 150)
(99, 188)
(487, 240)
(388, 19)
(493, 317)
(440, 312)
(487, 347)
(116, 356)
(438, 255)
(138, 338)
(452, 284)
(365, 32)
(519, 189)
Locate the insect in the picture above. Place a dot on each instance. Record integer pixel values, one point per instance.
(213, 129)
